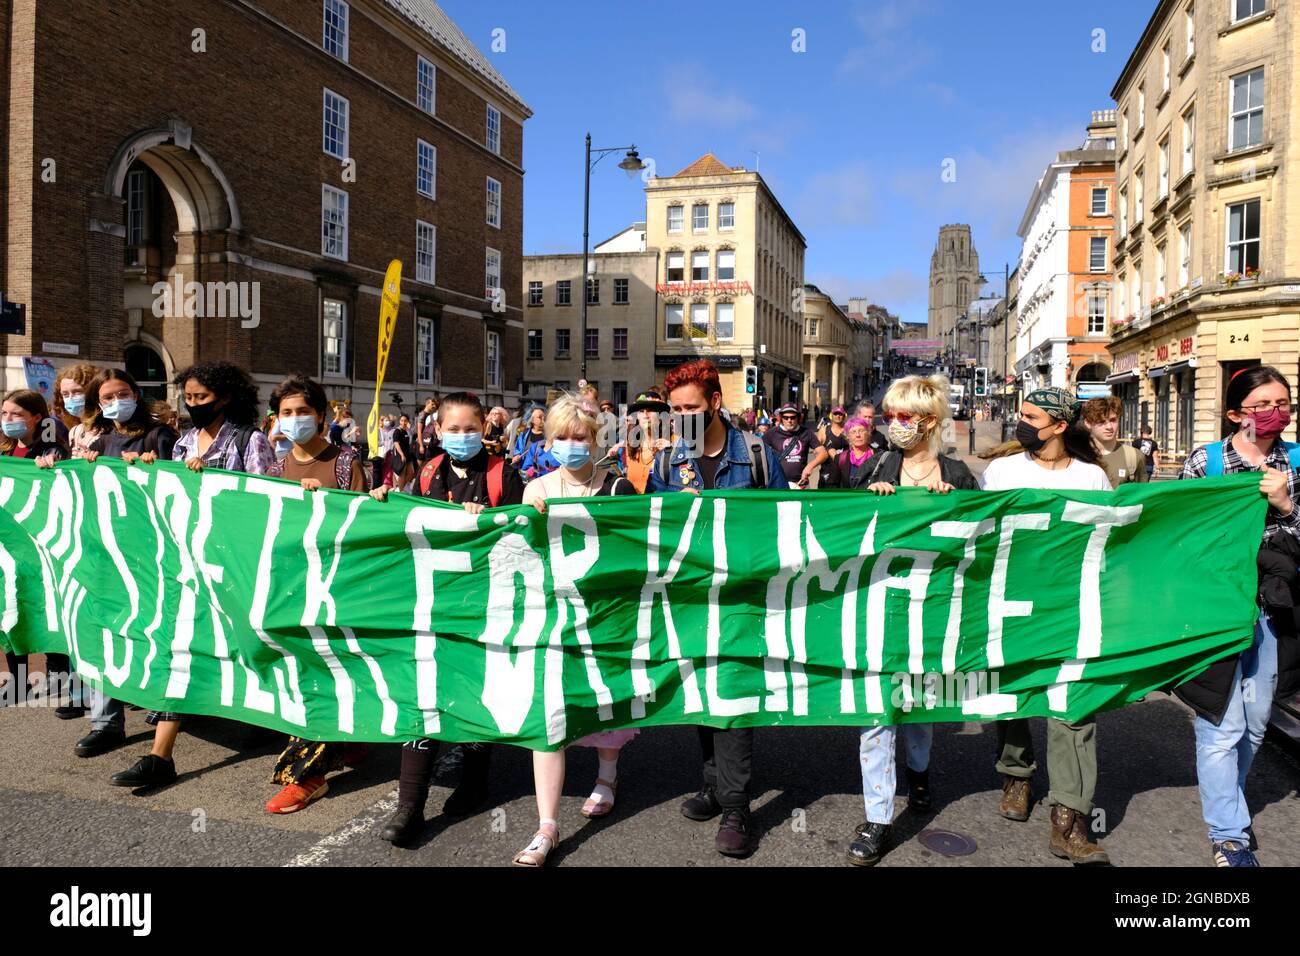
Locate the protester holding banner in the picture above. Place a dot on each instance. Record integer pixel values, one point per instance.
(1052, 451)
(573, 430)
(915, 409)
(69, 403)
(302, 407)
(708, 453)
(221, 402)
(463, 474)
(1233, 698)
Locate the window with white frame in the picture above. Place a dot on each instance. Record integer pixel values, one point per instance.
(1138, 178)
(726, 265)
(424, 349)
(1189, 25)
(493, 129)
(726, 215)
(699, 319)
(1243, 237)
(426, 245)
(563, 292)
(534, 293)
(811, 329)
(534, 343)
(724, 320)
(1164, 68)
(675, 214)
(494, 359)
(335, 125)
(620, 291)
(1244, 9)
(675, 267)
(335, 39)
(561, 343)
(1100, 201)
(700, 266)
(493, 203)
(1189, 141)
(1164, 167)
(493, 259)
(673, 321)
(334, 316)
(1097, 254)
(1097, 300)
(1185, 256)
(1247, 110)
(620, 343)
(700, 217)
(1162, 269)
(426, 169)
(593, 290)
(333, 223)
(426, 86)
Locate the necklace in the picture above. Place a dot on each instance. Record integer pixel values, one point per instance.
(588, 485)
(926, 474)
(1050, 461)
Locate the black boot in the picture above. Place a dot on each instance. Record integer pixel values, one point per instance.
(472, 792)
(868, 844)
(149, 771)
(404, 826)
(919, 798)
(703, 806)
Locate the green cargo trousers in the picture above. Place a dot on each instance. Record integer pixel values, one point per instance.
(1071, 758)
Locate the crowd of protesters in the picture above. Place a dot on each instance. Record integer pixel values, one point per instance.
(680, 437)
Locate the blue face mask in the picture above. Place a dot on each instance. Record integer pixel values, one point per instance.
(119, 410)
(571, 454)
(14, 429)
(74, 404)
(462, 445)
(299, 428)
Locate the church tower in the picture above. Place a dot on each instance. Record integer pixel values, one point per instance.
(954, 279)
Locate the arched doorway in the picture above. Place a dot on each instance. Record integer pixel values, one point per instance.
(148, 369)
(1094, 372)
(180, 218)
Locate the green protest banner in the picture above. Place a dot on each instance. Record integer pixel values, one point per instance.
(337, 617)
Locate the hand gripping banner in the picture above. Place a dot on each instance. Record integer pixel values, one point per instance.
(336, 617)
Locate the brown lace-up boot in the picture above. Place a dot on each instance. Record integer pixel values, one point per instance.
(1015, 798)
(1070, 838)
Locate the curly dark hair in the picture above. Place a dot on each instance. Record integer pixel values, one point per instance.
(227, 381)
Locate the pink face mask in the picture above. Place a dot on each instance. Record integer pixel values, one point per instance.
(1271, 422)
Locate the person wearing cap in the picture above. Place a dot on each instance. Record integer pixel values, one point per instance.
(647, 435)
(796, 445)
(1052, 450)
(834, 439)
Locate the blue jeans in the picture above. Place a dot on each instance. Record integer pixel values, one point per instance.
(1224, 753)
(105, 712)
(876, 754)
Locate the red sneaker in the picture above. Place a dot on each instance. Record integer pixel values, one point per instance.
(294, 797)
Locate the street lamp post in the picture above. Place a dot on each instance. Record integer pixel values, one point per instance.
(631, 164)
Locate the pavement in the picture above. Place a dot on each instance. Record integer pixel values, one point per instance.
(57, 809)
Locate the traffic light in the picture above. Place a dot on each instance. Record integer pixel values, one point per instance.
(981, 381)
(751, 379)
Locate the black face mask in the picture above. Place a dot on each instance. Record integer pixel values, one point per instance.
(691, 428)
(1028, 437)
(202, 415)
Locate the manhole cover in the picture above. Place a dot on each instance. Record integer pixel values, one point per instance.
(947, 843)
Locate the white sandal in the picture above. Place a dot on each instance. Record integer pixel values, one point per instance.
(535, 854)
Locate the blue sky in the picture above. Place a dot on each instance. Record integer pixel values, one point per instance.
(851, 135)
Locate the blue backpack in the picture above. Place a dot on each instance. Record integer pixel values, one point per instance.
(1214, 457)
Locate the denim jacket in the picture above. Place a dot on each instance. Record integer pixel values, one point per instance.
(734, 470)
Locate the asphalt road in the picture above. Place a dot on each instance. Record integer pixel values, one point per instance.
(57, 809)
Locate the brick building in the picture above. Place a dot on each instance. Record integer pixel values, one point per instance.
(279, 153)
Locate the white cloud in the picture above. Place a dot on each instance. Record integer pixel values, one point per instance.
(693, 96)
(841, 196)
(892, 49)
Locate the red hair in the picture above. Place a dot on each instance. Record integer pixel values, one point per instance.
(701, 372)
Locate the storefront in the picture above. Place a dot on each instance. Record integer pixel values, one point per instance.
(1125, 386)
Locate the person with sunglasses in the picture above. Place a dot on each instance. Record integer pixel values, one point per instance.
(797, 446)
(915, 409)
(1233, 698)
(1053, 450)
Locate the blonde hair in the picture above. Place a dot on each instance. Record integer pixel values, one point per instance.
(920, 396)
(571, 413)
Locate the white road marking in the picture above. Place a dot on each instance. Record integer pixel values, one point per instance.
(364, 823)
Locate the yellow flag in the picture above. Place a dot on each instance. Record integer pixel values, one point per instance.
(389, 302)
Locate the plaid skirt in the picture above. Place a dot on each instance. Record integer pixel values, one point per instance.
(155, 717)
